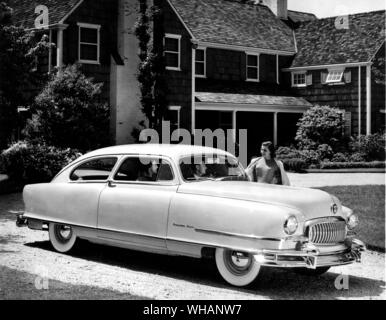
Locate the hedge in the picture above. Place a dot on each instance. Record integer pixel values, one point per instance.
(353, 165)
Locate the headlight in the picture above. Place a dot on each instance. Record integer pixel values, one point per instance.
(291, 225)
(336, 204)
(352, 221)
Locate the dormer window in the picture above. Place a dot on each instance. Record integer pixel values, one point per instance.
(334, 76)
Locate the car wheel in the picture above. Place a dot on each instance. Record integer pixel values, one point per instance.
(312, 272)
(62, 237)
(237, 268)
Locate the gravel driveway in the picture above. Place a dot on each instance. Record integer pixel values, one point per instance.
(29, 268)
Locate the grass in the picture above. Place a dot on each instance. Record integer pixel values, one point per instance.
(368, 202)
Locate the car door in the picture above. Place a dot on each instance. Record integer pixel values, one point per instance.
(134, 207)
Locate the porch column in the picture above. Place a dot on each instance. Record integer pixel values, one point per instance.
(50, 52)
(59, 48)
(368, 100)
(359, 101)
(275, 128)
(234, 125)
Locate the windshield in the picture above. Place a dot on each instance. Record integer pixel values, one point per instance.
(211, 167)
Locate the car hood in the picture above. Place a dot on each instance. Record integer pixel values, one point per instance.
(311, 203)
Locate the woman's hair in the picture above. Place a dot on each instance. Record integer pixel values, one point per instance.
(271, 148)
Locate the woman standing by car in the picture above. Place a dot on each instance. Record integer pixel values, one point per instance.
(267, 169)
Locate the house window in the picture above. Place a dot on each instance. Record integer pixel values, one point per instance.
(334, 76)
(201, 63)
(252, 67)
(89, 43)
(174, 116)
(173, 51)
(299, 79)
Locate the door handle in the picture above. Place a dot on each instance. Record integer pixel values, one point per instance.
(110, 184)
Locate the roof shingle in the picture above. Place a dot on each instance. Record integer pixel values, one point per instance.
(321, 43)
(231, 22)
(24, 11)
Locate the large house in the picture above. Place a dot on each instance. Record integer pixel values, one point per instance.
(229, 63)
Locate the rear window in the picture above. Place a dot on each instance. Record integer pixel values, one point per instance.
(96, 169)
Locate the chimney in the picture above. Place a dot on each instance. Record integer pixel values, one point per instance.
(278, 7)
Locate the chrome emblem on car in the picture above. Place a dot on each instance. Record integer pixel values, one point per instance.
(334, 208)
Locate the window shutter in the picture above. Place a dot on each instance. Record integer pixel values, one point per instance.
(309, 79)
(323, 77)
(347, 124)
(347, 76)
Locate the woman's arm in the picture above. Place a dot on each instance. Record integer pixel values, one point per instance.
(284, 177)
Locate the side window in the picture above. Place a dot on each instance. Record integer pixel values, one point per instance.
(97, 169)
(144, 169)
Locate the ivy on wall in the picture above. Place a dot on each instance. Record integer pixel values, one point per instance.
(151, 68)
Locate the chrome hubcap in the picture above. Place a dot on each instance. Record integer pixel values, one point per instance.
(238, 263)
(63, 233)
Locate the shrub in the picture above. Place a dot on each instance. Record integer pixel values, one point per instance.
(310, 157)
(294, 165)
(287, 153)
(340, 157)
(68, 113)
(325, 152)
(321, 125)
(32, 163)
(372, 147)
(357, 157)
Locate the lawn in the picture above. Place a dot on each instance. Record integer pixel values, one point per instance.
(368, 202)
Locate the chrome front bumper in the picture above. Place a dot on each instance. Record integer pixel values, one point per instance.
(310, 256)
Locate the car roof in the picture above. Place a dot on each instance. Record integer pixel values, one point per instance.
(174, 151)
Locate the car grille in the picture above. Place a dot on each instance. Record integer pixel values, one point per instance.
(327, 232)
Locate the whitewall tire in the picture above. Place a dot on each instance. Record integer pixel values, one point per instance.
(62, 237)
(237, 268)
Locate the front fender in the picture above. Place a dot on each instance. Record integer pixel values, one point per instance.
(223, 222)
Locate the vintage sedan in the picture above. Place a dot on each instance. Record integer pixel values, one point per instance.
(192, 201)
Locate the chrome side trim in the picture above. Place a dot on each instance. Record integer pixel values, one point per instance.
(230, 234)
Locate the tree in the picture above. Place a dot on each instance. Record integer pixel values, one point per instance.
(151, 69)
(68, 112)
(379, 70)
(19, 52)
